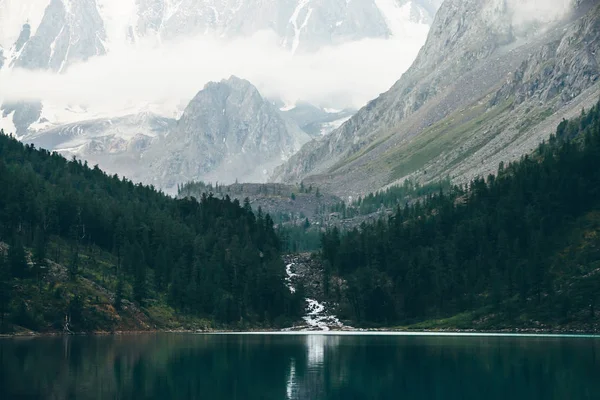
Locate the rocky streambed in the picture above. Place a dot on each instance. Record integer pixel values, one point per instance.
(304, 269)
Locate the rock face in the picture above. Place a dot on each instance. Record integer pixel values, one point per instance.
(67, 31)
(54, 35)
(71, 31)
(302, 25)
(483, 89)
(227, 132)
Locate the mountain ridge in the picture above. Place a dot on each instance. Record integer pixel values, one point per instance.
(70, 32)
(227, 132)
(394, 136)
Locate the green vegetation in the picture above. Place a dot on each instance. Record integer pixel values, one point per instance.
(78, 240)
(84, 251)
(519, 249)
(389, 198)
(450, 133)
(534, 120)
(299, 238)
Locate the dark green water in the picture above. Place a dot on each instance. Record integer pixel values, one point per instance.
(186, 366)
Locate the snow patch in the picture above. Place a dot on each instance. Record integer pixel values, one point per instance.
(53, 44)
(288, 107)
(118, 17)
(294, 22)
(70, 150)
(329, 127)
(399, 21)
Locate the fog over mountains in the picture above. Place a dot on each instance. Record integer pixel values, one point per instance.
(118, 56)
(165, 91)
(76, 74)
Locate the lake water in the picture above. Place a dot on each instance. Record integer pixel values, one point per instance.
(188, 366)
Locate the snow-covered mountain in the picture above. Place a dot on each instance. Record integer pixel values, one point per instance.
(228, 131)
(116, 144)
(53, 35)
(300, 24)
(56, 36)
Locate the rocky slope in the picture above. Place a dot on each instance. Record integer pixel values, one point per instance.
(55, 35)
(227, 132)
(285, 203)
(481, 91)
(69, 32)
(116, 144)
(317, 121)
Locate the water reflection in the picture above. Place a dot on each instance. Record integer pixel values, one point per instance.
(292, 384)
(309, 382)
(315, 346)
(298, 367)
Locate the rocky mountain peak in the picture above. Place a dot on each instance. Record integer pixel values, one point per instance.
(23, 37)
(69, 32)
(220, 104)
(228, 131)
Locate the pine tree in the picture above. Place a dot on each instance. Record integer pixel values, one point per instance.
(74, 263)
(39, 256)
(119, 293)
(17, 260)
(5, 289)
(139, 274)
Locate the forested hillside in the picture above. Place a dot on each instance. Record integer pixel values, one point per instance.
(518, 249)
(211, 258)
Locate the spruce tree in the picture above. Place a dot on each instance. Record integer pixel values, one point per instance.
(18, 260)
(5, 289)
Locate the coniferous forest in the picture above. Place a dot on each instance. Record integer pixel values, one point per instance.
(513, 248)
(520, 245)
(212, 258)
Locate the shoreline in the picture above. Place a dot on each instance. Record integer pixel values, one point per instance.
(533, 332)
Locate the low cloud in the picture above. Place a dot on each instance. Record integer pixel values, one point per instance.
(348, 75)
(538, 11)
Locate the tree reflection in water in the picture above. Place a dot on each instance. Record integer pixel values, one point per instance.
(298, 367)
